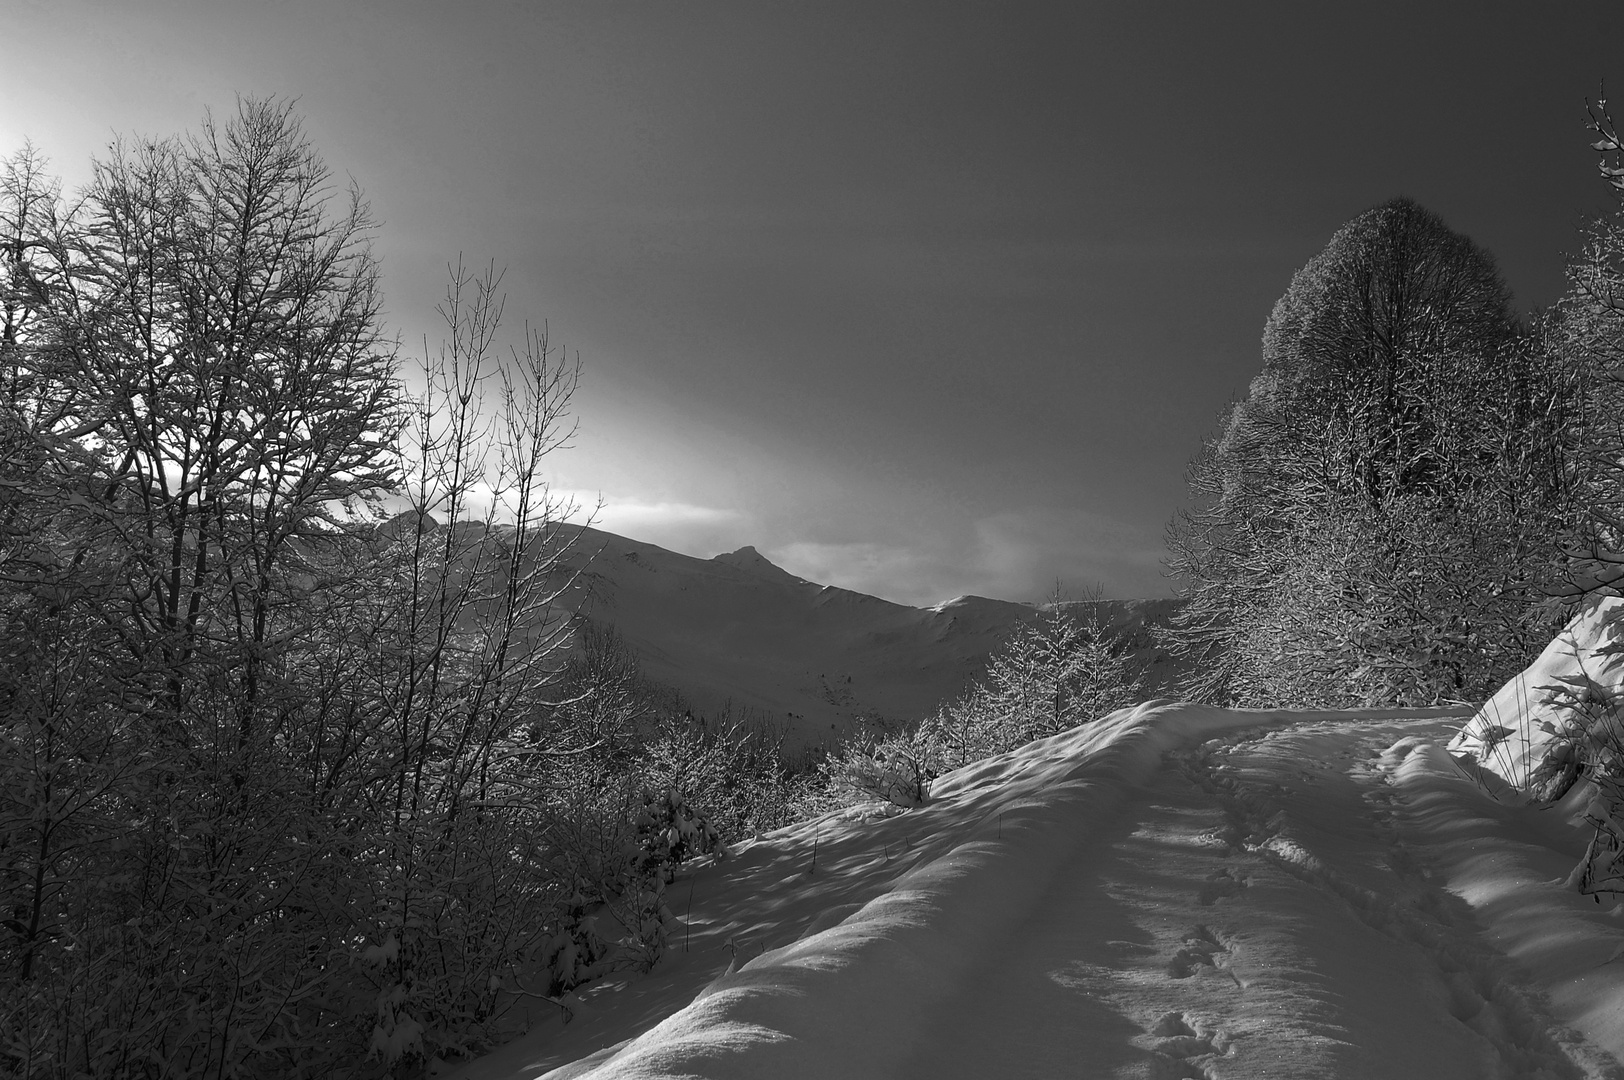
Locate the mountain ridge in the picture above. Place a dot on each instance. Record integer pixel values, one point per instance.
(737, 631)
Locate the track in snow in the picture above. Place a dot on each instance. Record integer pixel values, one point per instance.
(1174, 891)
(1253, 913)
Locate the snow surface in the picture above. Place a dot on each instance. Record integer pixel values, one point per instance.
(1521, 734)
(1172, 891)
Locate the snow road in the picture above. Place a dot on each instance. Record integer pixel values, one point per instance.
(1174, 891)
(1255, 913)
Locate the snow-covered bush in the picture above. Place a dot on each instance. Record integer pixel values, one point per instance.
(1602, 868)
(732, 762)
(1560, 722)
(1560, 715)
(897, 769)
(1410, 605)
(734, 766)
(615, 847)
(576, 952)
(669, 831)
(1583, 725)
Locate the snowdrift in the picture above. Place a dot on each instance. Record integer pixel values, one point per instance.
(1529, 733)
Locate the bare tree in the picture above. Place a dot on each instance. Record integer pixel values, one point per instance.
(243, 392)
(284, 758)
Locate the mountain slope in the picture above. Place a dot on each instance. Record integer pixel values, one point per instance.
(813, 658)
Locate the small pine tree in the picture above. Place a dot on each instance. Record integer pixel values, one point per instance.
(1055, 672)
(1052, 673)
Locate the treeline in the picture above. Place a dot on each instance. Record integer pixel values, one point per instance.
(1418, 482)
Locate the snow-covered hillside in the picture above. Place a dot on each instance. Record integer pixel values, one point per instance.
(737, 628)
(1173, 891)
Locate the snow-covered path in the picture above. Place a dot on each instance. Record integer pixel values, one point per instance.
(1209, 933)
(1175, 891)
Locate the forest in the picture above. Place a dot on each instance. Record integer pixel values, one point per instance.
(309, 766)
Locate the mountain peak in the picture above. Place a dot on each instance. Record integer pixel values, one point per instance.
(755, 563)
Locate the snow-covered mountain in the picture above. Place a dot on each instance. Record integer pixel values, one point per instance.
(737, 628)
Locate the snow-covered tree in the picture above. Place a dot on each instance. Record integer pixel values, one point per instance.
(1588, 333)
(1053, 672)
(1056, 671)
(246, 733)
(1391, 488)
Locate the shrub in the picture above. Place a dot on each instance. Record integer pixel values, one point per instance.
(897, 769)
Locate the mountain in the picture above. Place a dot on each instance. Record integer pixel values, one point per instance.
(737, 629)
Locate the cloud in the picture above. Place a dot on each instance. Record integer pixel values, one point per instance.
(633, 514)
(1025, 553)
(1010, 555)
(902, 574)
(686, 527)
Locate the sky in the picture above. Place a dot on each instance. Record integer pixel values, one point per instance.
(920, 299)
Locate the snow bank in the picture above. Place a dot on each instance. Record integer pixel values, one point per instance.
(1525, 733)
(1309, 894)
(1510, 863)
(848, 1000)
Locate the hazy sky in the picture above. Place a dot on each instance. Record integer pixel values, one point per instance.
(917, 298)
